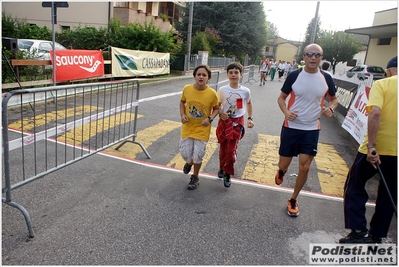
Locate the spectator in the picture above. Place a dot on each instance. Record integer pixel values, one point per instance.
(382, 140)
(326, 67)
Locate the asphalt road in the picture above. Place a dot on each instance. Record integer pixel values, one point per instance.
(111, 209)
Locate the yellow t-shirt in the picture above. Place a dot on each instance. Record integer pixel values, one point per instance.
(199, 106)
(384, 94)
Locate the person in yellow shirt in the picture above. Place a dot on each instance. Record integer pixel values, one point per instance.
(199, 105)
(379, 147)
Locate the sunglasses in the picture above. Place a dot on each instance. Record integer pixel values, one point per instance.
(310, 54)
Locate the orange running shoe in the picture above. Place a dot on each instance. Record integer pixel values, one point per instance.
(292, 207)
(279, 177)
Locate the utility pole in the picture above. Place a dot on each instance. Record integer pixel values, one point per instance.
(189, 32)
(315, 22)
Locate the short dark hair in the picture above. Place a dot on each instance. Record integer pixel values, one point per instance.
(207, 68)
(325, 66)
(234, 65)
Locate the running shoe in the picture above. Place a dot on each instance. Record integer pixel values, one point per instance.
(226, 180)
(194, 182)
(279, 177)
(292, 207)
(220, 173)
(187, 168)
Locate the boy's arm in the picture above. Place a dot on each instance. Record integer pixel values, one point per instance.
(209, 120)
(183, 115)
(215, 111)
(250, 122)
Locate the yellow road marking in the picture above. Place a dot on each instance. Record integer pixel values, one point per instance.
(83, 133)
(42, 119)
(332, 170)
(262, 163)
(146, 137)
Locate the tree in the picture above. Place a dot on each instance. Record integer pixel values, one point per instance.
(240, 25)
(199, 42)
(272, 30)
(136, 36)
(338, 46)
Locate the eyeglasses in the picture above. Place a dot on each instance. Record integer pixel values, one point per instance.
(310, 54)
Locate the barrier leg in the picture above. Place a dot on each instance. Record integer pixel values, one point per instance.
(134, 142)
(25, 213)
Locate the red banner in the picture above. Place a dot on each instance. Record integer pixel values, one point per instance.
(77, 64)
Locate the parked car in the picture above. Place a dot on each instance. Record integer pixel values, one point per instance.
(364, 71)
(39, 49)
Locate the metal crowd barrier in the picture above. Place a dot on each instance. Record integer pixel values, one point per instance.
(60, 126)
(249, 70)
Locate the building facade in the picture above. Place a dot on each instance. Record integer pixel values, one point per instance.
(383, 37)
(282, 49)
(94, 14)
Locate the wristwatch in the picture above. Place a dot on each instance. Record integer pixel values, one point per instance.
(250, 118)
(210, 119)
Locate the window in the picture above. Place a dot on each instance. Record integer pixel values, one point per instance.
(384, 41)
(267, 49)
(64, 28)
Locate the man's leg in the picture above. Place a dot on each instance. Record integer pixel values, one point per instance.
(304, 165)
(283, 164)
(355, 198)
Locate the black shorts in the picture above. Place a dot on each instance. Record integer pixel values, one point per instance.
(294, 142)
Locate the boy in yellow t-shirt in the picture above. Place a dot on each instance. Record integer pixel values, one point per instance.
(199, 105)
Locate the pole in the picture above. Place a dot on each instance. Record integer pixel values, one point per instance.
(316, 18)
(53, 18)
(189, 32)
(386, 185)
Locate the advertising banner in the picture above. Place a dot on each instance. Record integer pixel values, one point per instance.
(355, 121)
(77, 64)
(128, 63)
